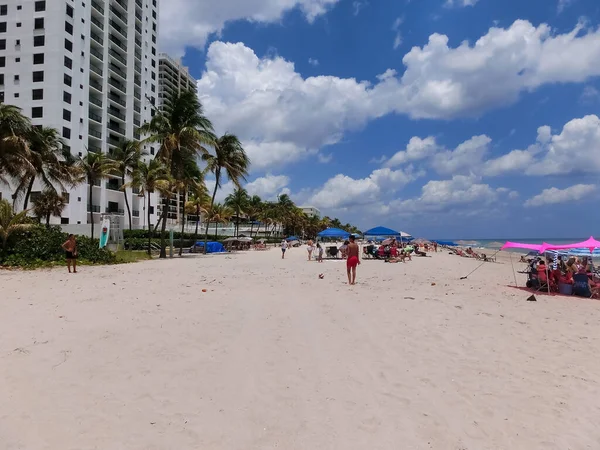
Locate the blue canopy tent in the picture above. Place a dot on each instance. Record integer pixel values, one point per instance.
(334, 233)
(387, 232)
(446, 243)
(292, 238)
(211, 247)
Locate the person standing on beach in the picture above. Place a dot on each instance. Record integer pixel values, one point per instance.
(310, 249)
(353, 260)
(70, 248)
(284, 246)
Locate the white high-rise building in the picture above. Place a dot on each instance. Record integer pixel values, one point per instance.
(90, 70)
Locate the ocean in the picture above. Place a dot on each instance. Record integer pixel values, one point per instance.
(495, 244)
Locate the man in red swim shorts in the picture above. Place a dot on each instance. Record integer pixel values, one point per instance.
(352, 261)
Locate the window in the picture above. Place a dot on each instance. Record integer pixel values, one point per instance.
(19, 24)
(37, 112)
(1, 79)
(37, 94)
(154, 15)
(2, 97)
(68, 45)
(69, 11)
(38, 24)
(40, 5)
(39, 41)
(38, 76)
(68, 62)
(154, 50)
(154, 27)
(67, 115)
(154, 75)
(2, 61)
(2, 27)
(19, 7)
(64, 221)
(151, 209)
(17, 78)
(3, 10)
(67, 79)
(38, 58)
(67, 97)
(16, 95)
(17, 59)
(68, 28)
(153, 39)
(2, 44)
(17, 42)
(66, 133)
(153, 88)
(153, 63)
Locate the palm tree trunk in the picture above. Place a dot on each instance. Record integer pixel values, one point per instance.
(163, 242)
(28, 193)
(91, 182)
(182, 224)
(212, 202)
(126, 200)
(149, 229)
(47, 220)
(237, 225)
(197, 222)
(251, 227)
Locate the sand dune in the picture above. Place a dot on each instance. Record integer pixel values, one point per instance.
(137, 357)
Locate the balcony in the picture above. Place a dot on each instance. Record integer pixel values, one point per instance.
(118, 43)
(135, 213)
(118, 15)
(115, 98)
(97, 54)
(139, 3)
(117, 129)
(113, 141)
(138, 16)
(116, 27)
(112, 186)
(122, 4)
(137, 81)
(115, 113)
(118, 57)
(135, 190)
(138, 43)
(93, 208)
(96, 101)
(137, 135)
(138, 29)
(97, 22)
(96, 69)
(97, 6)
(94, 149)
(97, 38)
(138, 55)
(97, 86)
(120, 86)
(95, 117)
(110, 210)
(136, 122)
(137, 109)
(119, 72)
(95, 134)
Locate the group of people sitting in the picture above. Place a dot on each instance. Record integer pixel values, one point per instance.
(575, 276)
(470, 253)
(392, 252)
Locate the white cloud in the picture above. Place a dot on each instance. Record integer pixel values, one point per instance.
(554, 196)
(590, 94)
(268, 187)
(190, 22)
(343, 191)
(357, 5)
(562, 4)
(268, 104)
(466, 157)
(397, 41)
(324, 159)
(575, 150)
(226, 188)
(417, 149)
(313, 62)
(461, 3)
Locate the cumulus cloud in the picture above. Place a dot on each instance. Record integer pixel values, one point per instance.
(190, 22)
(463, 159)
(313, 62)
(268, 187)
(270, 105)
(417, 149)
(554, 196)
(462, 3)
(575, 150)
(563, 4)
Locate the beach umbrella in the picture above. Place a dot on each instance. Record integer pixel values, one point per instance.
(333, 233)
(421, 241)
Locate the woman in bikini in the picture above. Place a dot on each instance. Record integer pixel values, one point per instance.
(70, 248)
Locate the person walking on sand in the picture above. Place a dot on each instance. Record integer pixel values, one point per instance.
(352, 261)
(310, 249)
(320, 249)
(70, 248)
(284, 246)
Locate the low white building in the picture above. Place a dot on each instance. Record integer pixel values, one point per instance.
(311, 211)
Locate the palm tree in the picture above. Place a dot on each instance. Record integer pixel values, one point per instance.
(253, 209)
(190, 178)
(49, 203)
(14, 142)
(182, 131)
(238, 201)
(10, 222)
(96, 167)
(127, 157)
(198, 204)
(219, 214)
(229, 160)
(150, 177)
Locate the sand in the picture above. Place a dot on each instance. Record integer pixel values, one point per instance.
(271, 357)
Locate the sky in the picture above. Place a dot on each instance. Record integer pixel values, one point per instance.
(441, 118)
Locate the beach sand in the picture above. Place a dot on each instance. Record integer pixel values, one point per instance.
(271, 357)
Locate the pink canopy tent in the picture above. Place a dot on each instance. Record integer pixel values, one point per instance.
(536, 247)
(591, 244)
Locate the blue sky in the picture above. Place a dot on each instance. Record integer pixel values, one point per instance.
(458, 119)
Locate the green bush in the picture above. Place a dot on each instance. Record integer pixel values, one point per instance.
(41, 246)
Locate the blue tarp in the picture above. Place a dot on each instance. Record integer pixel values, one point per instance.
(382, 231)
(333, 233)
(292, 238)
(211, 247)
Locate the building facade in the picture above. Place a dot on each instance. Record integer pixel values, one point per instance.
(311, 211)
(90, 70)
